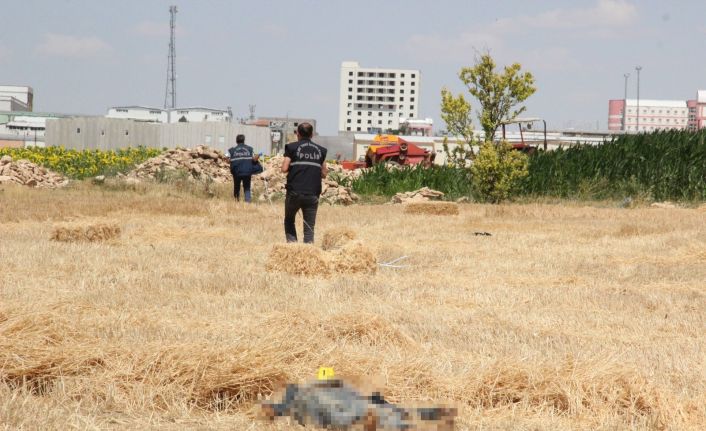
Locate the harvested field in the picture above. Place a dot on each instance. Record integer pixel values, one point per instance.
(568, 317)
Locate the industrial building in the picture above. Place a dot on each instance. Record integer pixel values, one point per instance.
(23, 129)
(373, 99)
(655, 115)
(177, 115)
(16, 98)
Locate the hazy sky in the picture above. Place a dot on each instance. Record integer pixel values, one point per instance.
(285, 56)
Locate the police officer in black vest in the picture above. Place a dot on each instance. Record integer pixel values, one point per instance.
(305, 166)
(243, 163)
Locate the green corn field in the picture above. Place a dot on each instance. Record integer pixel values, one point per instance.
(662, 165)
(378, 180)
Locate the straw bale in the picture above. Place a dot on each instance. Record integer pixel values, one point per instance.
(353, 258)
(433, 208)
(335, 238)
(298, 259)
(97, 232)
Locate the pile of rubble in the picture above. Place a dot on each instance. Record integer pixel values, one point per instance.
(200, 163)
(26, 173)
(424, 194)
(203, 162)
(271, 182)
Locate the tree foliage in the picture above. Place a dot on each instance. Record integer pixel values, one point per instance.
(497, 172)
(498, 93)
(456, 113)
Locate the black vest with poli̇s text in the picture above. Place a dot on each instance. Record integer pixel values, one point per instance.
(241, 162)
(307, 159)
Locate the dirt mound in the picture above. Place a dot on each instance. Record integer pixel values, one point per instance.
(26, 173)
(200, 163)
(424, 194)
(272, 182)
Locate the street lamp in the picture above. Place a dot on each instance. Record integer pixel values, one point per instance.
(638, 69)
(625, 102)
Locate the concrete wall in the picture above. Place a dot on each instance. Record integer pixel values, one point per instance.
(218, 135)
(100, 133)
(111, 133)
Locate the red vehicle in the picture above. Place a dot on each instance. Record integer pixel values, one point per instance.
(401, 153)
(523, 146)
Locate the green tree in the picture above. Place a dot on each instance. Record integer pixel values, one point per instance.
(456, 113)
(497, 172)
(498, 93)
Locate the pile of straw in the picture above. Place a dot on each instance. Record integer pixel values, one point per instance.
(298, 259)
(89, 233)
(432, 208)
(353, 258)
(339, 254)
(335, 238)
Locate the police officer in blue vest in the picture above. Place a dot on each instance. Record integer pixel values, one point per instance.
(305, 166)
(243, 164)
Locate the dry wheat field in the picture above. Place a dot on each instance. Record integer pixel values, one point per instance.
(152, 308)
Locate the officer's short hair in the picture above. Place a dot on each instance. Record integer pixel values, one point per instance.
(240, 139)
(305, 130)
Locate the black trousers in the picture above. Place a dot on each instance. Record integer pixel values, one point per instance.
(309, 204)
(245, 180)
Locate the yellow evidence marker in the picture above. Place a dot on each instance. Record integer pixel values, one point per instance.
(325, 373)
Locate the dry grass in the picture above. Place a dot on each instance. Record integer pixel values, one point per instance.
(432, 208)
(575, 318)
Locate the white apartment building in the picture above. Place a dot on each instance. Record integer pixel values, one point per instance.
(372, 98)
(158, 115)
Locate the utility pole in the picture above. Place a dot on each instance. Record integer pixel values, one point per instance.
(625, 102)
(171, 63)
(638, 69)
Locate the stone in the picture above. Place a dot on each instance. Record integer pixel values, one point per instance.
(5, 159)
(100, 179)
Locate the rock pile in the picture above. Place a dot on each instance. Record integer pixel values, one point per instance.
(200, 162)
(203, 162)
(424, 194)
(272, 181)
(26, 173)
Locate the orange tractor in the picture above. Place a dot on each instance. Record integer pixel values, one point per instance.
(395, 151)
